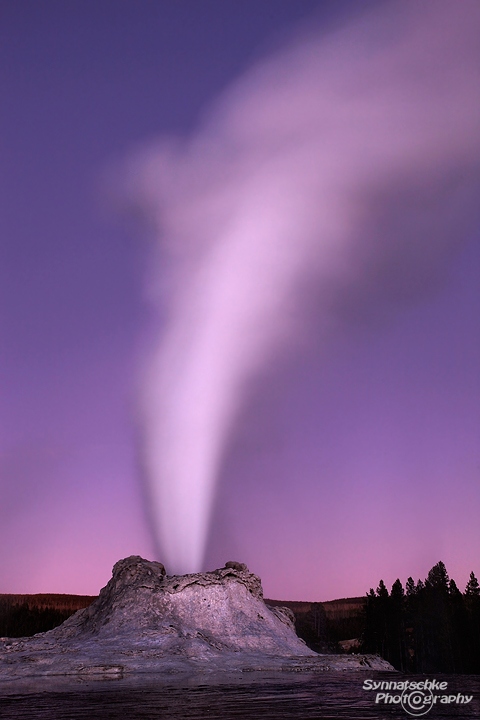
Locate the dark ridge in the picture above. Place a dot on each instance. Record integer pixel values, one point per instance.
(327, 626)
(24, 615)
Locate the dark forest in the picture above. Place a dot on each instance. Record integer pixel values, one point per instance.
(425, 627)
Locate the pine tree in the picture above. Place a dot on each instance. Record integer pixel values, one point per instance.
(472, 602)
(382, 608)
(453, 590)
(396, 634)
(412, 633)
(437, 621)
(397, 591)
(410, 587)
(438, 578)
(473, 588)
(458, 627)
(370, 634)
(382, 591)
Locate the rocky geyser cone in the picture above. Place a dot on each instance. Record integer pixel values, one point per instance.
(194, 614)
(146, 622)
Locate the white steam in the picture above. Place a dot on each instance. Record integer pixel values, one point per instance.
(335, 158)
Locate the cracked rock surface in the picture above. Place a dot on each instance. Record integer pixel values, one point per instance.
(146, 621)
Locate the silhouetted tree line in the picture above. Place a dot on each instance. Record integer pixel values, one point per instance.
(21, 620)
(427, 627)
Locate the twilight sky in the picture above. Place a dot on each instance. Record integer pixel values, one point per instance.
(240, 247)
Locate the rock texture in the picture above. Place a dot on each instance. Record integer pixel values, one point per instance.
(146, 621)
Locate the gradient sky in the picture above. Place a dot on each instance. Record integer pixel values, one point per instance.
(356, 457)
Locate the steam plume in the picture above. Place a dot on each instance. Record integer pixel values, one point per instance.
(347, 161)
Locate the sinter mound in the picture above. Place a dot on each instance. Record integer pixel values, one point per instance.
(219, 610)
(146, 621)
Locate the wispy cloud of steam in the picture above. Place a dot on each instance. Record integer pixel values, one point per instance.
(344, 169)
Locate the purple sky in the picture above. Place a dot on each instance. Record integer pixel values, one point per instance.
(357, 454)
